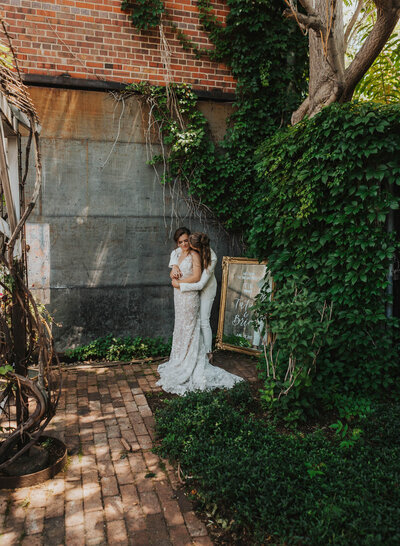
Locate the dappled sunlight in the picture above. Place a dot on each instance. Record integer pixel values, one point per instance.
(111, 475)
(100, 260)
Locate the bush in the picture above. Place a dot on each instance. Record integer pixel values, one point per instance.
(118, 348)
(327, 187)
(286, 488)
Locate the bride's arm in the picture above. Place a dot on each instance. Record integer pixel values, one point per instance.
(173, 264)
(186, 286)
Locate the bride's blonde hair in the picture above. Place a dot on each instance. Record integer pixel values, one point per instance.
(201, 243)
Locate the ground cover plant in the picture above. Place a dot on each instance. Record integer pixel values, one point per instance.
(111, 347)
(282, 487)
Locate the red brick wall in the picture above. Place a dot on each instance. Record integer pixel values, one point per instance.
(95, 40)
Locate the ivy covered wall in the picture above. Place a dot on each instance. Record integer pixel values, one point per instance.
(318, 201)
(325, 218)
(268, 57)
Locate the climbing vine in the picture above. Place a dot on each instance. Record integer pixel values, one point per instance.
(268, 58)
(314, 201)
(326, 190)
(144, 14)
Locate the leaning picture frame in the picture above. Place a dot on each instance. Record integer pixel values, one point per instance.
(242, 279)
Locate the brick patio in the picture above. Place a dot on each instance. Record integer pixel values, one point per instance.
(106, 494)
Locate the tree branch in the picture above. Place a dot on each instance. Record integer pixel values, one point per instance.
(360, 22)
(352, 22)
(388, 14)
(307, 21)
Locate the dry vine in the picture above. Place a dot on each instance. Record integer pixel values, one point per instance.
(176, 192)
(27, 404)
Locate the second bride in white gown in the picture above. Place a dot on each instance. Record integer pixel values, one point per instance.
(188, 368)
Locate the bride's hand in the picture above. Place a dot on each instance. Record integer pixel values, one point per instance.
(175, 273)
(175, 283)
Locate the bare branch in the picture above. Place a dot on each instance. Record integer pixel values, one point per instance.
(307, 21)
(387, 18)
(360, 22)
(34, 418)
(31, 204)
(21, 324)
(353, 21)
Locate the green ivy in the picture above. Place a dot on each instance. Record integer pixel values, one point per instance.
(326, 187)
(145, 14)
(315, 205)
(268, 58)
(269, 487)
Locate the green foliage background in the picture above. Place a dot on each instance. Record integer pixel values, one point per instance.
(268, 56)
(144, 14)
(326, 187)
(314, 202)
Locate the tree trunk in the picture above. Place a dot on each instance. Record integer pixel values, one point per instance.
(326, 72)
(329, 81)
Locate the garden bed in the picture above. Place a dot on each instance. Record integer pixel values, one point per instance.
(54, 462)
(256, 483)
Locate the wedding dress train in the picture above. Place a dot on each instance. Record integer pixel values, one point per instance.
(188, 368)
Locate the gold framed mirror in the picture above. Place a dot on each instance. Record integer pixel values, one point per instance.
(242, 279)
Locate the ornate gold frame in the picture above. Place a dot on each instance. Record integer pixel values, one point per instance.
(226, 261)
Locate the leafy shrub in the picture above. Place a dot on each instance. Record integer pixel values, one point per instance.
(298, 324)
(350, 407)
(327, 187)
(118, 348)
(279, 488)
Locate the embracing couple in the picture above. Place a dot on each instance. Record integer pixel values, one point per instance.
(189, 367)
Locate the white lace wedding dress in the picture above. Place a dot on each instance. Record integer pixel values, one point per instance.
(188, 368)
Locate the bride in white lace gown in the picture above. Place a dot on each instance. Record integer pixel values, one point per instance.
(188, 368)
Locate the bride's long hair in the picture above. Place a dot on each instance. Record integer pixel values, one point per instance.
(201, 242)
(179, 232)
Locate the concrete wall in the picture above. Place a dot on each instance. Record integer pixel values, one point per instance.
(100, 234)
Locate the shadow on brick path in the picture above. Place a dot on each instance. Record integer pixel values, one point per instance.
(106, 494)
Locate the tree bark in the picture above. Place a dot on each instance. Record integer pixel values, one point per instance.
(329, 81)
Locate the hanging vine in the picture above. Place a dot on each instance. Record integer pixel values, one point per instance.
(27, 404)
(268, 58)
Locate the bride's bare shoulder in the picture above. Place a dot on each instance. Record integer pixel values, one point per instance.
(195, 257)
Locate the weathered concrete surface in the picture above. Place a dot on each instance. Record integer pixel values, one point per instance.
(217, 114)
(100, 233)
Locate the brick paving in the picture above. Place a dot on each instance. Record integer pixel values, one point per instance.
(107, 494)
